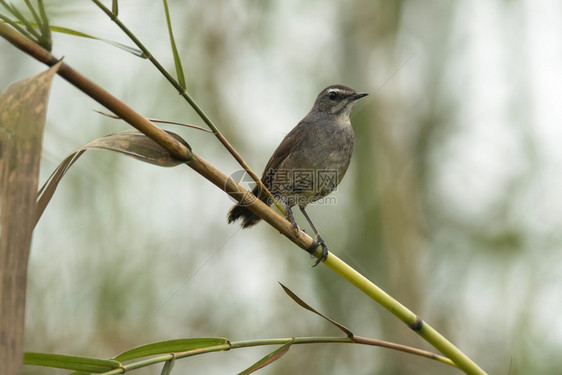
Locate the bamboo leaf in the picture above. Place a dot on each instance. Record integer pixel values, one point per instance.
(268, 359)
(137, 145)
(70, 362)
(49, 187)
(16, 26)
(170, 346)
(33, 12)
(23, 110)
(44, 25)
(28, 23)
(306, 306)
(65, 30)
(168, 366)
(131, 143)
(177, 60)
(40, 21)
(22, 20)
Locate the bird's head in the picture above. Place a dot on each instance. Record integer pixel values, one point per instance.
(337, 100)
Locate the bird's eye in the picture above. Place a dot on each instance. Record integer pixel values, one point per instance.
(332, 95)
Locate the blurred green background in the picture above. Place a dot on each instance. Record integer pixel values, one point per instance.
(451, 203)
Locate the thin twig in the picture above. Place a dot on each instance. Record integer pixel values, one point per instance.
(280, 341)
(200, 112)
(158, 121)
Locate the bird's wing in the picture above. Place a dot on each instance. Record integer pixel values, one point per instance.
(284, 149)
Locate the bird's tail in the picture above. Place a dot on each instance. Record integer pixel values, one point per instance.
(248, 217)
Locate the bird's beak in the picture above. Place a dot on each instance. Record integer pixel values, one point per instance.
(359, 95)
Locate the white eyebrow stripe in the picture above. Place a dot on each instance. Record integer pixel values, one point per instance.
(339, 91)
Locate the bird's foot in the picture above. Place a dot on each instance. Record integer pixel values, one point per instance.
(291, 219)
(312, 250)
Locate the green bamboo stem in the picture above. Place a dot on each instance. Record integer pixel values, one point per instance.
(400, 311)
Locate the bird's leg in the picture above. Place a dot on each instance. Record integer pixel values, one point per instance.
(291, 218)
(318, 242)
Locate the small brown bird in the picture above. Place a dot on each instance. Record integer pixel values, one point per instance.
(310, 161)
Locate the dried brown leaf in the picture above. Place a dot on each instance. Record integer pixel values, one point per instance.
(23, 109)
(131, 143)
(268, 359)
(306, 306)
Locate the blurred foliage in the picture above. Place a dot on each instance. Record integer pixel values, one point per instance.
(451, 203)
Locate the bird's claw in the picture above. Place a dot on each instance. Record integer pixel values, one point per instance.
(314, 246)
(291, 219)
